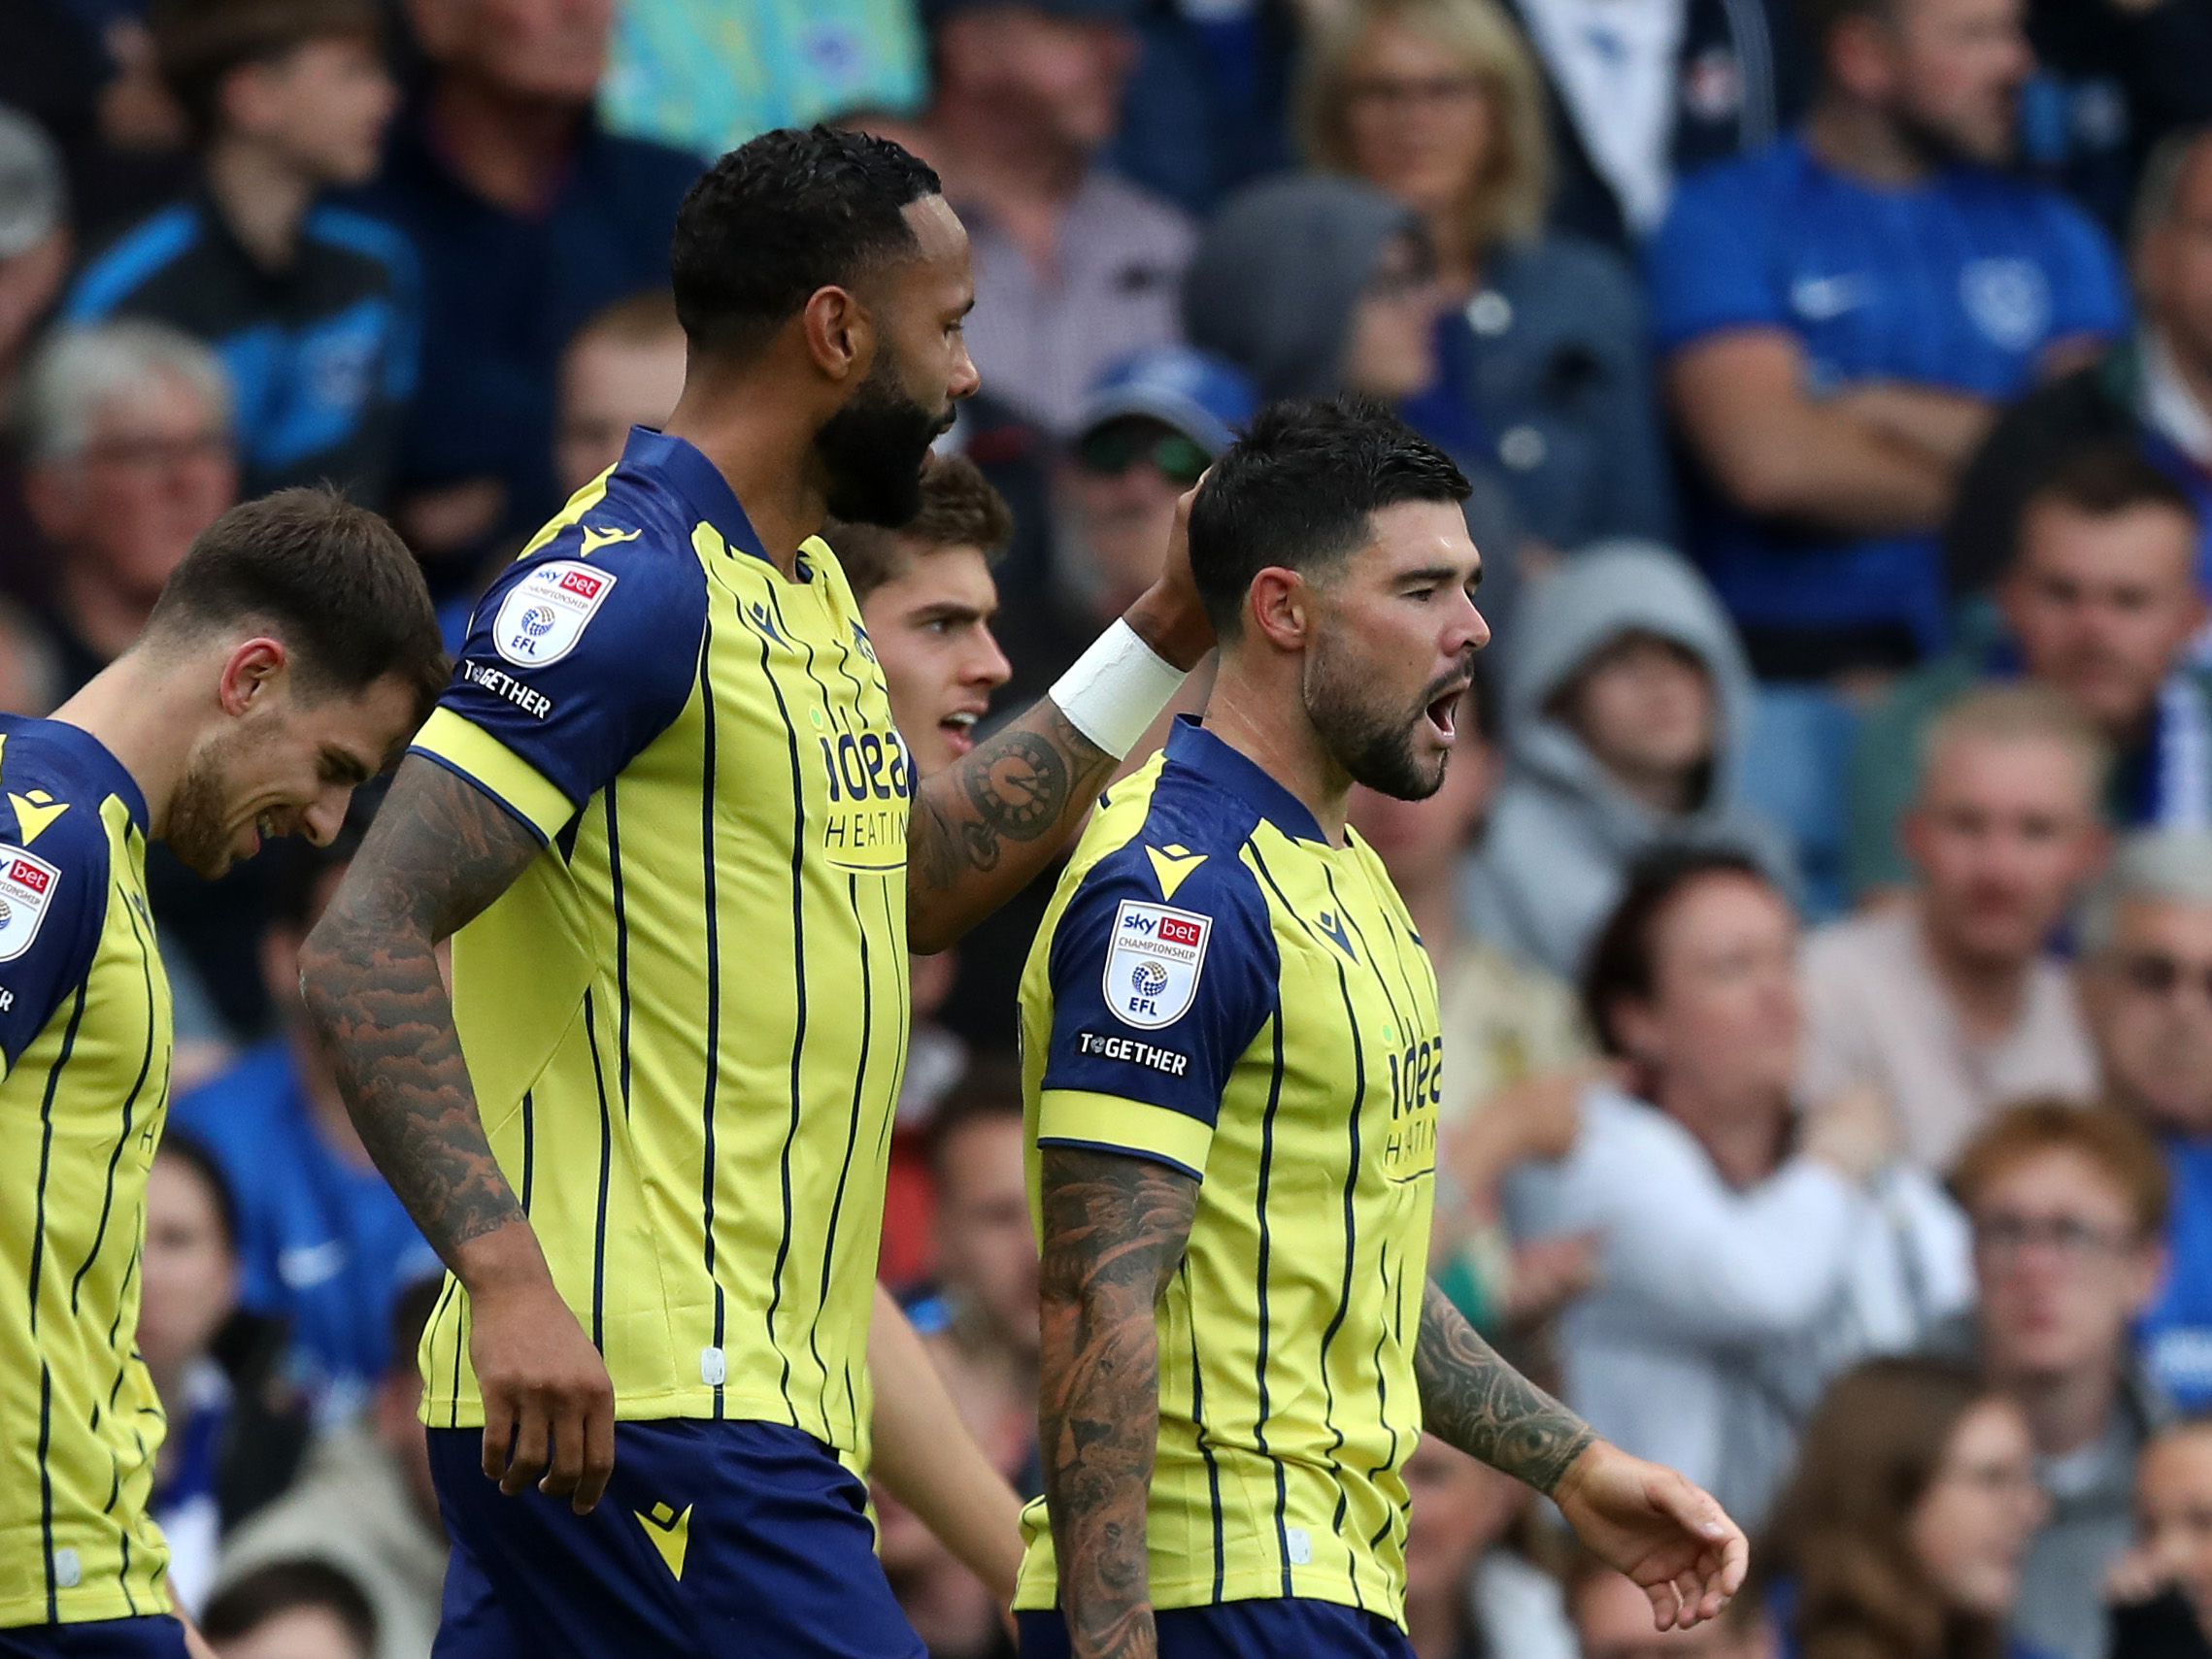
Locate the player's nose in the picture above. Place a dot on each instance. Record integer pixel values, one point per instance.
(325, 816)
(991, 669)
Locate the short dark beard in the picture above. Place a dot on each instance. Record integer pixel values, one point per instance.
(874, 449)
(198, 828)
(1375, 746)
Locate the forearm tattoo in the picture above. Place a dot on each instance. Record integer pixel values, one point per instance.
(1114, 1231)
(986, 825)
(1473, 1400)
(439, 853)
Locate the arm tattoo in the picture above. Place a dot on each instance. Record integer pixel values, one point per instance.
(1114, 1232)
(1473, 1400)
(985, 826)
(439, 853)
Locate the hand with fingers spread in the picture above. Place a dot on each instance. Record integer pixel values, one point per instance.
(1650, 1523)
(548, 1406)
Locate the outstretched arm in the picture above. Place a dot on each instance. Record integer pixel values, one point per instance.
(1115, 1228)
(984, 827)
(1644, 1520)
(439, 853)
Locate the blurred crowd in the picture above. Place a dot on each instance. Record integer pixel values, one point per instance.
(1821, 894)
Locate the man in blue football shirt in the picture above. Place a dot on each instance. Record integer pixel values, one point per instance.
(1842, 314)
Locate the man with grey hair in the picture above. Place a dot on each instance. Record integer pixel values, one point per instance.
(2146, 979)
(2154, 390)
(127, 452)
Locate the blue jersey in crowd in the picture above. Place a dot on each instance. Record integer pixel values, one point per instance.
(323, 1241)
(2176, 1333)
(1961, 283)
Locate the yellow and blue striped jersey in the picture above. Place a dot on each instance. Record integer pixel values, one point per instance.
(1218, 988)
(85, 1040)
(687, 1020)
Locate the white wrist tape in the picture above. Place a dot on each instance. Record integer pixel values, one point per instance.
(1116, 690)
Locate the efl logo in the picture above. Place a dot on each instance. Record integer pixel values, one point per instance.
(578, 583)
(1174, 930)
(31, 876)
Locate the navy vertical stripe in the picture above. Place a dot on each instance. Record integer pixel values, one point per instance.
(852, 1137)
(1198, 1422)
(38, 1263)
(621, 949)
(606, 1167)
(707, 856)
(1267, 1246)
(529, 1147)
(130, 1108)
(46, 1492)
(1344, 1295)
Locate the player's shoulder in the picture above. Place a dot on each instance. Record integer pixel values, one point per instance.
(55, 783)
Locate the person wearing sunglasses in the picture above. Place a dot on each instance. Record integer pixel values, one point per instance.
(2146, 976)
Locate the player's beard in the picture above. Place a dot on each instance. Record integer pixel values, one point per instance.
(1373, 745)
(874, 449)
(199, 830)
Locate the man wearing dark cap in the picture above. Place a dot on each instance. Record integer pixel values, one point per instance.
(1074, 267)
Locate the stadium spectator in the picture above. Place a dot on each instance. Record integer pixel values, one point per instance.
(1952, 1001)
(1541, 359)
(2068, 1207)
(2162, 1590)
(1903, 1530)
(1207, 108)
(2154, 390)
(128, 455)
(2113, 79)
(1514, 1041)
(1627, 703)
(1744, 1258)
(528, 216)
(2099, 603)
(928, 599)
(1467, 1593)
(322, 1243)
(291, 1609)
(2146, 940)
(234, 1437)
(1841, 314)
(315, 310)
(706, 75)
(624, 367)
(364, 1505)
(35, 236)
(1315, 285)
(1644, 98)
(1075, 268)
(1613, 1621)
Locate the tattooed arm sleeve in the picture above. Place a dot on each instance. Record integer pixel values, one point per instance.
(1114, 1230)
(438, 854)
(1473, 1400)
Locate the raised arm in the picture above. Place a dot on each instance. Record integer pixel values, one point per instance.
(439, 853)
(1115, 1228)
(1642, 1519)
(984, 827)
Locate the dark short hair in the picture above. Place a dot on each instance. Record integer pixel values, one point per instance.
(199, 44)
(960, 509)
(1300, 489)
(190, 1152)
(333, 581)
(1821, 19)
(643, 318)
(1622, 965)
(781, 217)
(2104, 478)
(254, 1598)
(990, 1088)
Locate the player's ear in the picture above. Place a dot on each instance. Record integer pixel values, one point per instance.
(1280, 605)
(251, 670)
(840, 334)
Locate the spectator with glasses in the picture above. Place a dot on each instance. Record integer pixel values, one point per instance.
(2146, 937)
(1542, 369)
(2068, 1210)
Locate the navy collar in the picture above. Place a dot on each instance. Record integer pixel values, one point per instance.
(1191, 744)
(676, 465)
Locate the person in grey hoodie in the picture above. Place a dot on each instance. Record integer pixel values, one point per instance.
(1627, 706)
(1315, 285)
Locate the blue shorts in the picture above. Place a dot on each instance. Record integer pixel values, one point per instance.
(1244, 1629)
(713, 1539)
(156, 1635)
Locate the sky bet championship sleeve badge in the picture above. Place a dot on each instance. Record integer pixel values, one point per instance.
(543, 616)
(1151, 972)
(27, 888)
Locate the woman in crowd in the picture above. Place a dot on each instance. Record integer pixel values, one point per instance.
(1901, 1534)
(1543, 368)
(1746, 1254)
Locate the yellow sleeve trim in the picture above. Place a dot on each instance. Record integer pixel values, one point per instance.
(1127, 1125)
(481, 758)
